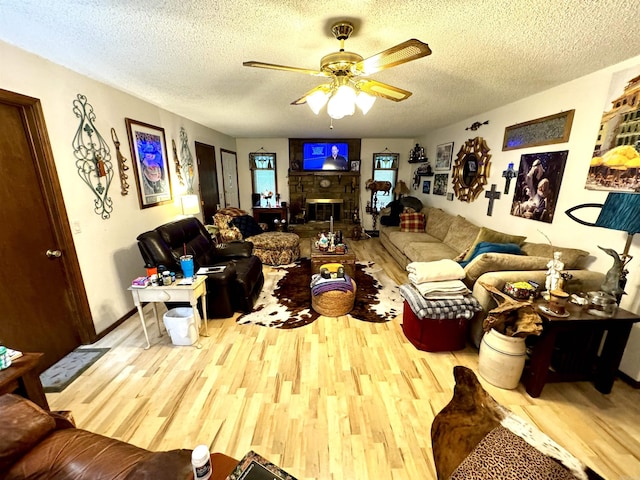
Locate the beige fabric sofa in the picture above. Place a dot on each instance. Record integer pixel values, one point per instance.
(453, 236)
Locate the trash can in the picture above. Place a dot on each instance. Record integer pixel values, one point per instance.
(181, 325)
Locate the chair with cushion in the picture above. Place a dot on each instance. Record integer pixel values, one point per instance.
(235, 289)
(40, 444)
(474, 437)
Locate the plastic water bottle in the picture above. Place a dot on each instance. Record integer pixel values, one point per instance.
(201, 461)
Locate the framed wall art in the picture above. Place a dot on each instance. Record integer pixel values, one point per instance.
(541, 131)
(440, 181)
(355, 165)
(426, 186)
(150, 162)
(538, 184)
(444, 154)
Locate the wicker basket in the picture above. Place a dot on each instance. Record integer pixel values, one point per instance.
(334, 303)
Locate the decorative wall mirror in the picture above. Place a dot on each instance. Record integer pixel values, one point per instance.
(471, 169)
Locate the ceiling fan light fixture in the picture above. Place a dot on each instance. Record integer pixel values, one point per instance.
(342, 103)
(365, 102)
(317, 100)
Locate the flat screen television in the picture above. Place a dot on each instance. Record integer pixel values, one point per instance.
(320, 156)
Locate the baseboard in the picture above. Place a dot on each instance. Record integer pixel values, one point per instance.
(634, 383)
(116, 324)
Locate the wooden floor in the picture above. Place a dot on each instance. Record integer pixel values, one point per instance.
(337, 399)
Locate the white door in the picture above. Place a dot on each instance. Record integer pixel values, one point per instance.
(230, 178)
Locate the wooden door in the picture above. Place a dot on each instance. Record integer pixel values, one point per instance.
(230, 178)
(208, 177)
(44, 304)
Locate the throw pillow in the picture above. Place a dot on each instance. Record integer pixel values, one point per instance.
(411, 202)
(247, 225)
(488, 247)
(487, 235)
(232, 211)
(411, 222)
(393, 218)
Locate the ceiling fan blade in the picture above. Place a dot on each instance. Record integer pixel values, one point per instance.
(303, 99)
(383, 90)
(394, 56)
(272, 66)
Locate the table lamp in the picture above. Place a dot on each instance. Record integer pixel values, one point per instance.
(621, 211)
(190, 205)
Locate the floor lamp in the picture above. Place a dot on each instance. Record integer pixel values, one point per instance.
(621, 211)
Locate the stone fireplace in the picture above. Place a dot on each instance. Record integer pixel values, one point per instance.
(324, 209)
(318, 196)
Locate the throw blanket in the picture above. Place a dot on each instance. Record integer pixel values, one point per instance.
(465, 307)
(321, 285)
(443, 289)
(446, 269)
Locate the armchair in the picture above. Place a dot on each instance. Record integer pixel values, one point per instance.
(235, 289)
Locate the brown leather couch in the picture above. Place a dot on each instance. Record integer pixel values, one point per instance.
(36, 444)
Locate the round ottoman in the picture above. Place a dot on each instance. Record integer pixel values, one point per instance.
(276, 248)
(334, 303)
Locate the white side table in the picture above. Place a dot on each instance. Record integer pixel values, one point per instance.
(172, 293)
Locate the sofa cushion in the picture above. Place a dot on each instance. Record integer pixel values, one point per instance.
(438, 222)
(428, 251)
(572, 258)
(461, 234)
(488, 235)
(411, 222)
(247, 225)
(497, 262)
(24, 425)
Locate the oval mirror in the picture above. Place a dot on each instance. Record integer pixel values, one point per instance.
(471, 169)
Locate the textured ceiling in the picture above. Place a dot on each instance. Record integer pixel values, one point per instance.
(186, 55)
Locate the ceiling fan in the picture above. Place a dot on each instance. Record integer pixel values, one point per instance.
(347, 88)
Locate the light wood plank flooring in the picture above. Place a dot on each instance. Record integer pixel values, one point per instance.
(337, 399)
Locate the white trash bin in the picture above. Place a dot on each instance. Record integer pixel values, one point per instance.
(182, 325)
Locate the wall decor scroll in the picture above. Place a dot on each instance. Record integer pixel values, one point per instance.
(541, 131)
(93, 158)
(187, 160)
(471, 169)
(150, 161)
(176, 162)
(122, 164)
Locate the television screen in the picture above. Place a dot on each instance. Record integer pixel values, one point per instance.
(318, 156)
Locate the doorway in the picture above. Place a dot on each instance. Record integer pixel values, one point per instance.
(45, 308)
(230, 178)
(208, 178)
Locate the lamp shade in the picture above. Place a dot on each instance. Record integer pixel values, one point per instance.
(621, 211)
(190, 204)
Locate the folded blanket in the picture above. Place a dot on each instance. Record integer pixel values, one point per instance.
(439, 309)
(321, 285)
(445, 286)
(445, 269)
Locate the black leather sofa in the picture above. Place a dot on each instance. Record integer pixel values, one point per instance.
(235, 289)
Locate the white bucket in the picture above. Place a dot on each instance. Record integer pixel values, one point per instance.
(181, 325)
(501, 359)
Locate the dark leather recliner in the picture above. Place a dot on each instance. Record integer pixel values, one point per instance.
(236, 289)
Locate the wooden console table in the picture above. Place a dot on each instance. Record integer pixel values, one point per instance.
(579, 325)
(22, 378)
(269, 214)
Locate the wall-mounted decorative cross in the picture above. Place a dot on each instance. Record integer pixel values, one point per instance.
(509, 173)
(492, 195)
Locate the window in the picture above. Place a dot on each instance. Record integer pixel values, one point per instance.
(385, 169)
(263, 179)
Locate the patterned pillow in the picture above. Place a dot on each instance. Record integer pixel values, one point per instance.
(232, 211)
(412, 222)
(247, 225)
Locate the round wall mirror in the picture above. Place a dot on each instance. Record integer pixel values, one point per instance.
(471, 169)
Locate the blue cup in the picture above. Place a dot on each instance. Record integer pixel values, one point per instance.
(186, 263)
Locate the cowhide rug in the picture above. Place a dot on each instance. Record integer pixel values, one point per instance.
(285, 300)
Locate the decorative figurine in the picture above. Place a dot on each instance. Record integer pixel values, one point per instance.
(554, 272)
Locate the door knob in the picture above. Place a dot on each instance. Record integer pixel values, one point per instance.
(54, 253)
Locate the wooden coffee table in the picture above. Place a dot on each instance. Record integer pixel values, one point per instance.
(319, 258)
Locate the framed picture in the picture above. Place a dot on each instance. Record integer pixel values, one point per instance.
(538, 185)
(444, 154)
(150, 162)
(355, 165)
(440, 181)
(426, 186)
(541, 131)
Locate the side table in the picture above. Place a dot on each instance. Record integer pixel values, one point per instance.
(22, 377)
(600, 369)
(171, 293)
